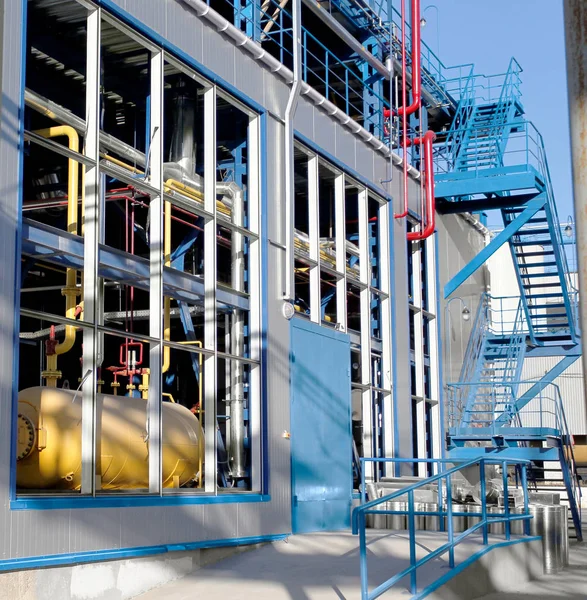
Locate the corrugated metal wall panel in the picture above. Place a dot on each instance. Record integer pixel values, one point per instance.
(186, 30)
(218, 54)
(153, 14)
(365, 159)
(458, 244)
(571, 387)
(275, 95)
(304, 118)
(324, 132)
(345, 147)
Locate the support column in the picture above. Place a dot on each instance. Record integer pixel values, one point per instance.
(576, 45)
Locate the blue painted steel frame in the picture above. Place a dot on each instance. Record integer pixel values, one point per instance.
(497, 242)
(76, 558)
(39, 503)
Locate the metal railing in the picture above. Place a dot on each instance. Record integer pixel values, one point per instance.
(445, 511)
(340, 81)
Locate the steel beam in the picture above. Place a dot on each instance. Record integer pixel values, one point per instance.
(59, 247)
(498, 241)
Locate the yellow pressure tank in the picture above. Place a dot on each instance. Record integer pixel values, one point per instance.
(49, 441)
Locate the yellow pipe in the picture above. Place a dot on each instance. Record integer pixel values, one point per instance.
(168, 395)
(122, 164)
(190, 192)
(144, 387)
(70, 290)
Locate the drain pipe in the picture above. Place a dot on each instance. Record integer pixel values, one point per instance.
(290, 111)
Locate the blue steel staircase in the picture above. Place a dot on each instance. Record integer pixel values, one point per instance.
(492, 411)
(493, 159)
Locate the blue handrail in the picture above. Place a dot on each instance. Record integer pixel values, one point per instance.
(444, 480)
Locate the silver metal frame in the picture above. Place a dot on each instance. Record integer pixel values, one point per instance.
(93, 327)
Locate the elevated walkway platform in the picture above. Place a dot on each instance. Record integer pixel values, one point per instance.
(325, 566)
(495, 181)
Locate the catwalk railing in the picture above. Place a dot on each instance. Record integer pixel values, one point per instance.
(445, 483)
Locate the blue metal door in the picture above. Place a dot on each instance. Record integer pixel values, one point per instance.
(321, 435)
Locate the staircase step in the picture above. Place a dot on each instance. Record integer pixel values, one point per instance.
(542, 264)
(551, 295)
(545, 231)
(550, 316)
(539, 285)
(528, 254)
(531, 243)
(535, 275)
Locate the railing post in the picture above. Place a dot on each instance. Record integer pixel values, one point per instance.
(363, 556)
(449, 523)
(440, 517)
(363, 490)
(326, 73)
(346, 90)
(412, 528)
(305, 55)
(506, 500)
(525, 489)
(483, 499)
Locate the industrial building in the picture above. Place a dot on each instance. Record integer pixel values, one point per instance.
(232, 237)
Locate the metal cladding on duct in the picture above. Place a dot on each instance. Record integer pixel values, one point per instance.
(49, 441)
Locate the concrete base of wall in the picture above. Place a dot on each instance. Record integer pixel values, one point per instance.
(499, 570)
(110, 580)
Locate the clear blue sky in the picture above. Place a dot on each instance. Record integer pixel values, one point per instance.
(488, 33)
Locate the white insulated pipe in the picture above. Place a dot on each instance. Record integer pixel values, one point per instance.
(290, 111)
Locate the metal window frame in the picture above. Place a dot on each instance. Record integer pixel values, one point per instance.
(91, 282)
(418, 405)
(93, 327)
(434, 343)
(155, 174)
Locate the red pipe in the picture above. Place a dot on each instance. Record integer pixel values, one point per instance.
(404, 213)
(416, 60)
(430, 220)
(405, 110)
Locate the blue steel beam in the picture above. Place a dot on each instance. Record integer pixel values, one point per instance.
(531, 209)
(67, 250)
(548, 378)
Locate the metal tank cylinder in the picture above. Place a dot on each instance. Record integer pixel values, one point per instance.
(426, 522)
(397, 522)
(551, 523)
(49, 441)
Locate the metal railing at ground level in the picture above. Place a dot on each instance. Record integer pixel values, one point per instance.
(445, 510)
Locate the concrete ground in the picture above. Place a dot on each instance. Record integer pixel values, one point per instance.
(571, 583)
(325, 566)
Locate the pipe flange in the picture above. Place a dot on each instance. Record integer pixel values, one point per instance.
(26, 437)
